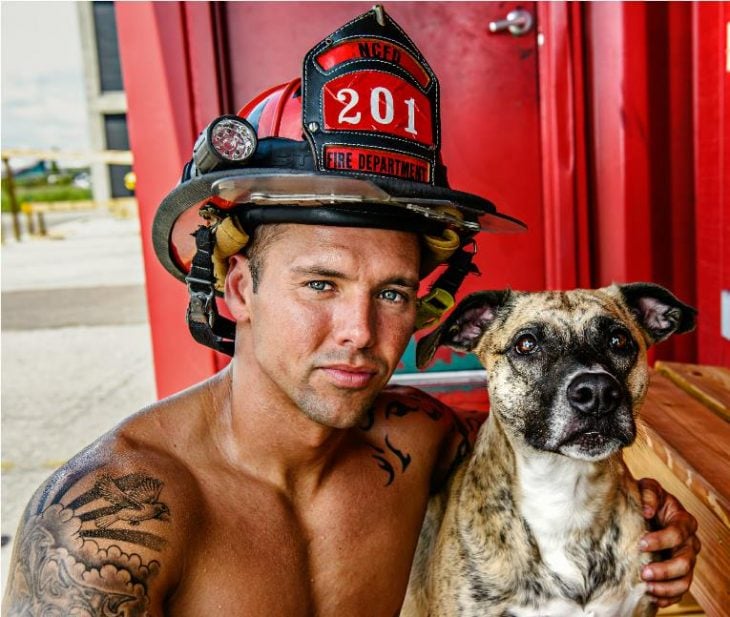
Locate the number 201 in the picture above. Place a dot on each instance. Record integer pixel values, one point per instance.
(378, 96)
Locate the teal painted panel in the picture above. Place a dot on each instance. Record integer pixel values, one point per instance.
(446, 360)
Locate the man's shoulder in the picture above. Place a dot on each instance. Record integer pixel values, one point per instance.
(106, 527)
(153, 457)
(127, 458)
(408, 402)
(441, 436)
(411, 417)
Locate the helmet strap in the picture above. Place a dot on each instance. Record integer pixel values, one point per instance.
(440, 297)
(204, 322)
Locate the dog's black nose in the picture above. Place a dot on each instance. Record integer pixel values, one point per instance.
(594, 393)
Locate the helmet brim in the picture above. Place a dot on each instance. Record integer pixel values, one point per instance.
(178, 216)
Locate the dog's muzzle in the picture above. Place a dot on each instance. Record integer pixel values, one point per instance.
(596, 419)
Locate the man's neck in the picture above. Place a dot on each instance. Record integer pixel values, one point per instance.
(269, 437)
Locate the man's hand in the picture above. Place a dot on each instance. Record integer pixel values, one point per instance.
(668, 580)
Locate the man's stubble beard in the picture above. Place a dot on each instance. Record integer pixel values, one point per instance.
(317, 404)
(320, 409)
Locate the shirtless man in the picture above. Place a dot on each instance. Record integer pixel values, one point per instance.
(294, 482)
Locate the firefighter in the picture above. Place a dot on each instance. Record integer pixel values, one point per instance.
(293, 482)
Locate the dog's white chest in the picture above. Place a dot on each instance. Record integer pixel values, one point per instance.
(556, 500)
(607, 606)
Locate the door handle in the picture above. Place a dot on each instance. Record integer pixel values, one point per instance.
(518, 22)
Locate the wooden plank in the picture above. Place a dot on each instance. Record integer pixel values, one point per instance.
(711, 584)
(708, 384)
(687, 606)
(691, 440)
(677, 610)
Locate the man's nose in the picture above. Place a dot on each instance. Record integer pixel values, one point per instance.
(355, 323)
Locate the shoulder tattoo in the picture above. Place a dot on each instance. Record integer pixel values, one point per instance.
(60, 568)
(401, 403)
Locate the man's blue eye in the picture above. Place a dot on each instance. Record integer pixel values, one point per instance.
(392, 295)
(318, 285)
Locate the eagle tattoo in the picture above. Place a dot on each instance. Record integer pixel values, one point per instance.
(135, 503)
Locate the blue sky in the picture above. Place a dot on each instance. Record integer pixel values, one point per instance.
(43, 99)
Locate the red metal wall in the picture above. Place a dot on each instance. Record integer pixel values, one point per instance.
(658, 133)
(711, 137)
(640, 132)
(633, 103)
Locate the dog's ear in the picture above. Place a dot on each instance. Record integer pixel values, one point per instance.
(463, 328)
(657, 311)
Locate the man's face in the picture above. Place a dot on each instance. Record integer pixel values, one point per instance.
(333, 313)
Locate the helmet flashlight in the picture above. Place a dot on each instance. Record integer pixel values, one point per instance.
(225, 141)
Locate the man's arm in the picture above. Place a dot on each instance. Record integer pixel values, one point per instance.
(94, 540)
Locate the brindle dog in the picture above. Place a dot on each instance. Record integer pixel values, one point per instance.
(543, 519)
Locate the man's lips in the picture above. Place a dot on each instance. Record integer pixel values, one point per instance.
(347, 376)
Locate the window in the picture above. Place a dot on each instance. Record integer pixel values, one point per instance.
(115, 131)
(107, 47)
(116, 179)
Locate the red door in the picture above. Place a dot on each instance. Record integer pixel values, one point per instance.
(204, 59)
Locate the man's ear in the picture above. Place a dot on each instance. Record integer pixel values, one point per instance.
(238, 286)
(464, 327)
(657, 311)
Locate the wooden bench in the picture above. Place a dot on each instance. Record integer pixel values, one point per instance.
(684, 442)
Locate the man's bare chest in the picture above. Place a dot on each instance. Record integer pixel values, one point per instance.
(345, 551)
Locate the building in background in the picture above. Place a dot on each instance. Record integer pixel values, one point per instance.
(107, 102)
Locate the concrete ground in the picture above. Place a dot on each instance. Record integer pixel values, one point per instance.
(76, 356)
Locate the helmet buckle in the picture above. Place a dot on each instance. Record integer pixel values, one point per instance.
(432, 306)
(199, 306)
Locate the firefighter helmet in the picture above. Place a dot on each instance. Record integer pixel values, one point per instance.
(355, 142)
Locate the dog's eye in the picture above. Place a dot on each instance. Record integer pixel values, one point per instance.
(526, 344)
(619, 340)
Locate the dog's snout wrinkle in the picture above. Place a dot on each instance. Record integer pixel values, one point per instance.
(594, 393)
